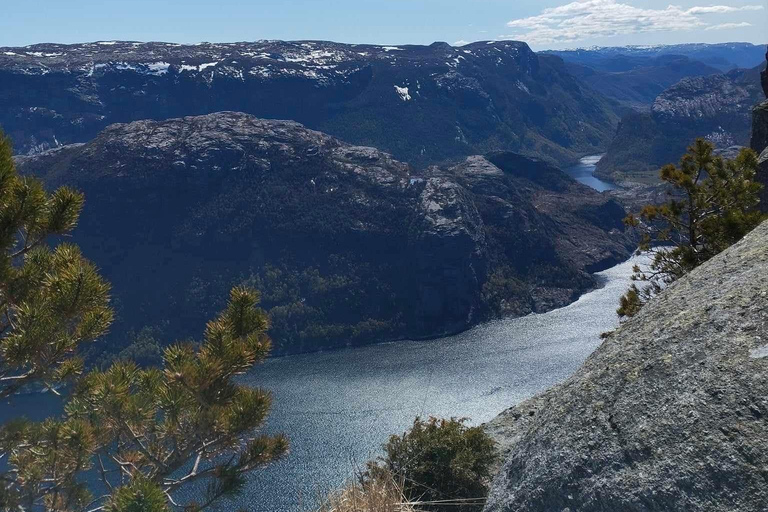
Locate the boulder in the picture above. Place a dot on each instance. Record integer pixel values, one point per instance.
(670, 412)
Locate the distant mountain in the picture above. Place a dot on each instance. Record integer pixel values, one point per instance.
(723, 56)
(347, 244)
(424, 104)
(636, 75)
(641, 83)
(716, 107)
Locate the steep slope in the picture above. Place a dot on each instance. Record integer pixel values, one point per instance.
(668, 414)
(347, 244)
(716, 107)
(759, 141)
(423, 104)
(639, 85)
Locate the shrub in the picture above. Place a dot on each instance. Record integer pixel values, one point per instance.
(443, 464)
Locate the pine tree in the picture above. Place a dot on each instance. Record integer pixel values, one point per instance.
(51, 299)
(146, 432)
(713, 204)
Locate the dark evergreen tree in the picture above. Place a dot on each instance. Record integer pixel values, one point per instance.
(713, 204)
(145, 432)
(443, 464)
(51, 298)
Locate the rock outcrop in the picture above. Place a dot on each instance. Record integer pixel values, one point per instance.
(347, 244)
(423, 104)
(717, 108)
(764, 77)
(759, 141)
(670, 412)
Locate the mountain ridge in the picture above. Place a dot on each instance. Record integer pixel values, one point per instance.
(715, 107)
(347, 244)
(724, 56)
(430, 103)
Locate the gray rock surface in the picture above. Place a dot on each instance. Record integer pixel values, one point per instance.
(759, 140)
(760, 145)
(669, 414)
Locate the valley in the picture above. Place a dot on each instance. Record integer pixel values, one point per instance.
(346, 244)
(431, 230)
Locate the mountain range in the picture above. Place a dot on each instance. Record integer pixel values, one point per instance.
(423, 104)
(722, 56)
(443, 225)
(636, 75)
(347, 244)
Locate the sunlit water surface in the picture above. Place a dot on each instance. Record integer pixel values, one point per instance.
(339, 407)
(584, 173)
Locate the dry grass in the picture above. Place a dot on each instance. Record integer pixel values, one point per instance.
(383, 494)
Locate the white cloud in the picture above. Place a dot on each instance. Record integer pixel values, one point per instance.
(723, 9)
(725, 26)
(460, 42)
(586, 19)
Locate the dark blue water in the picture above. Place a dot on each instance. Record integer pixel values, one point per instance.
(583, 173)
(339, 407)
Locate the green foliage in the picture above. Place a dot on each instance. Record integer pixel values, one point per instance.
(145, 431)
(140, 495)
(444, 464)
(51, 299)
(143, 348)
(311, 309)
(714, 204)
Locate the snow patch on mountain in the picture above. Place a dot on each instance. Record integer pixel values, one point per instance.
(403, 93)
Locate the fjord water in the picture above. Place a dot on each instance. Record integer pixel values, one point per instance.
(339, 407)
(584, 171)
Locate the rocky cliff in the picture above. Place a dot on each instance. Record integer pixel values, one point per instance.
(423, 104)
(759, 141)
(347, 244)
(716, 107)
(670, 413)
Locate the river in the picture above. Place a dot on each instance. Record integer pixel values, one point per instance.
(584, 171)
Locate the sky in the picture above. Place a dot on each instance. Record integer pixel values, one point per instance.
(544, 24)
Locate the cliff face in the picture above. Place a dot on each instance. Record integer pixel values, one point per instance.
(423, 104)
(670, 413)
(347, 244)
(717, 108)
(760, 138)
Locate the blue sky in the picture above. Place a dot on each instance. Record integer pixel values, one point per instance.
(542, 23)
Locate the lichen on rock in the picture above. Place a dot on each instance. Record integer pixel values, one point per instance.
(668, 414)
